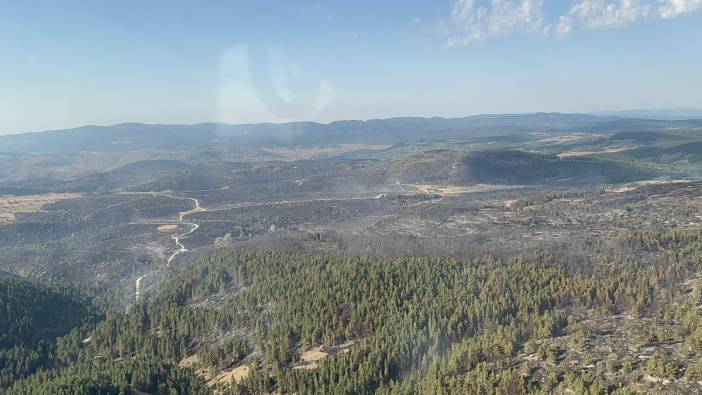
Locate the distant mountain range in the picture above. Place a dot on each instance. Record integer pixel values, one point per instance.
(135, 136)
(670, 114)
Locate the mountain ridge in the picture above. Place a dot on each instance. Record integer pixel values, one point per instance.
(184, 137)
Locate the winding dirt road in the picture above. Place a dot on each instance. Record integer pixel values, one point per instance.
(137, 287)
(181, 249)
(176, 238)
(181, 216)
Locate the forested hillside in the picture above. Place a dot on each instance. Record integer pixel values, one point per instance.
(32, 317)
(558, 260)
(351, 198)
(403, 325)
(42, 329)
(511, 167)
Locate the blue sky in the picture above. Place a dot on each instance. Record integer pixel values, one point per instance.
(73, 63)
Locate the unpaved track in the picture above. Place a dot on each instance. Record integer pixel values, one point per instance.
(137, 287)
(177, 238)
(181, 249)
(181, 216)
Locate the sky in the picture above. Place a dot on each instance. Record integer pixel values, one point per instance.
(71, 63)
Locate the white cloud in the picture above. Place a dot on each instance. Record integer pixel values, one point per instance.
(596, 14)
(564, 26)
(599, 14)
(471, 22)
(673, 8)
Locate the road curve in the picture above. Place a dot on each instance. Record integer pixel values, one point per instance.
(181, 248)
(137, 288)
(193, 226)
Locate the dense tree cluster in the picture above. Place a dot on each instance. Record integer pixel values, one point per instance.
(32, 316)
(126, 377)
(411, 324)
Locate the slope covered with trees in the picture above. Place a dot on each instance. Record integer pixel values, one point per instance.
(42, 329)
(512, 167)
(32, 316)
(400, 325)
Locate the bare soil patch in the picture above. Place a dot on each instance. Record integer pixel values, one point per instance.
(310, 358)
(189, 362)
(167, 228)
(11, 205)
(572, 154)
(447, 190)
(510, 203)
(563, 139)
(633, 185)
(313, 152)
(237, 374)
(225, 377)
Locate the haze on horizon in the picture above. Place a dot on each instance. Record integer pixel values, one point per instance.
(72, 64)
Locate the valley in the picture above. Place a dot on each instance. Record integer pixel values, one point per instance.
(554, 257)
(453, 197)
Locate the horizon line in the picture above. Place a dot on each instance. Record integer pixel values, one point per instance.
(597, 114)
